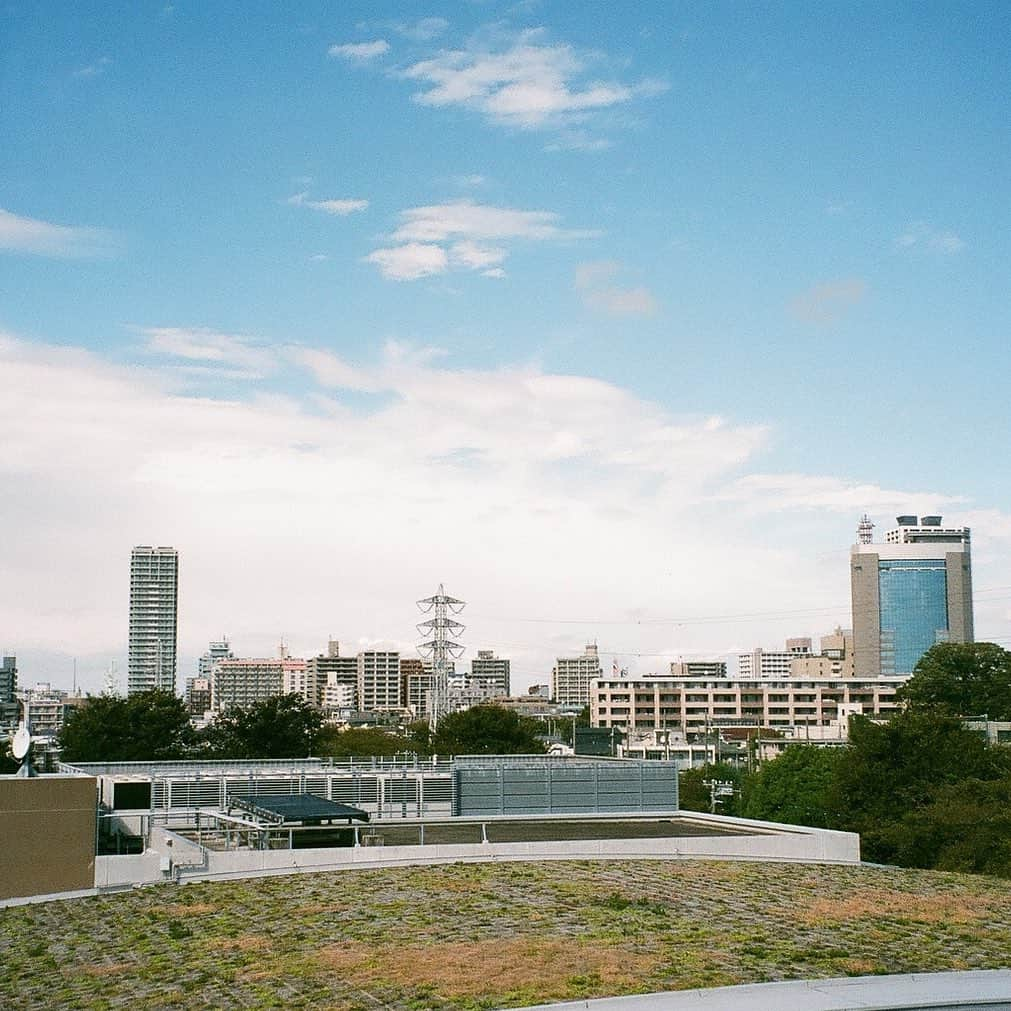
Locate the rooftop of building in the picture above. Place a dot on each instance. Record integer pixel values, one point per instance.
(499, 934)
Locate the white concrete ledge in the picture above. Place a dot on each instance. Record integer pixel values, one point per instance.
(989, 988)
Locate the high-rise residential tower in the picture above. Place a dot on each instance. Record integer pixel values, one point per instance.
(154, 589)
(909, 593)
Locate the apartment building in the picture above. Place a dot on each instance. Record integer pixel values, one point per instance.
(698, 669)
(489, 675)
(198, 695)
(417, 685)
(335, 677)
(692, 705)
(244, 681)
(379, 688)
(571, 676)
(154, 588)
(8, 678)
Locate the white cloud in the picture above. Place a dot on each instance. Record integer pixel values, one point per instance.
(827, 302)
(920, 235)
(341, 208)
(42, 238)
(530, 494)
(787, 492)
(410, 261)
(473, 256)
(438, 222)
(524, 83)
(455, 234)
(201, 344)
(360, 52)
(595, 281)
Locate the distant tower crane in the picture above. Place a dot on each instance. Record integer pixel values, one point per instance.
(441, 648)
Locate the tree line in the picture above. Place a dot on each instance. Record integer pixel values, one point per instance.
(922, 789)
(155, 726)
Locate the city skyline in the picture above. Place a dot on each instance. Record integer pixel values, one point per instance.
(613, 322)
(907, 539)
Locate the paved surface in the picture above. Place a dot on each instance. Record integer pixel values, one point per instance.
(544, 831)
(943, 991)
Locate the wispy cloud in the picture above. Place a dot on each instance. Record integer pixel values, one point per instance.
(96, 69)
(340, 208)
(578, 140)
(434, 238)
(596, 283)
(422, 30)
(42, 238)
(360, 52)
(437, 222)
(920, 235)
(212, 348)
(827, 302)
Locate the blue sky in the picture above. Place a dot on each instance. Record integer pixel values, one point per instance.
(624, 315)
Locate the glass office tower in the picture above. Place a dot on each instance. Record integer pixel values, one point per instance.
(909, 593)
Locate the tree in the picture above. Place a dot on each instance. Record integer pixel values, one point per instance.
(145, 727)
(362, 742)
(282, 726)
(487, 730)
(892, 771)
(694, 795)
(967, 827)
(962, 678)
(793, 788)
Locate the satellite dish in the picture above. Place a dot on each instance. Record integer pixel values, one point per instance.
(21, 743)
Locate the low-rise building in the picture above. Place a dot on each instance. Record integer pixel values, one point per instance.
(698, 669)
(693, 705)
(198, 695)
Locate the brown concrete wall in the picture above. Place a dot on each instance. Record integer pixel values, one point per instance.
(47, 834)
(959, 571)
(866, 614)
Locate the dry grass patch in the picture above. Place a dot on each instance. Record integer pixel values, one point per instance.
(185, 909)
(248, 942)
(108, 969)
(875, 903)
(477, 968)
(317, 908)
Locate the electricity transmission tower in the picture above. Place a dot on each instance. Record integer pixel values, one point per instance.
(441, 648)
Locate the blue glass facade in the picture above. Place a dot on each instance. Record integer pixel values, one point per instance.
(913, 600)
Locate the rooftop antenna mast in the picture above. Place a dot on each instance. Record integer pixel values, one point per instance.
(441, 648)
(865, 530)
